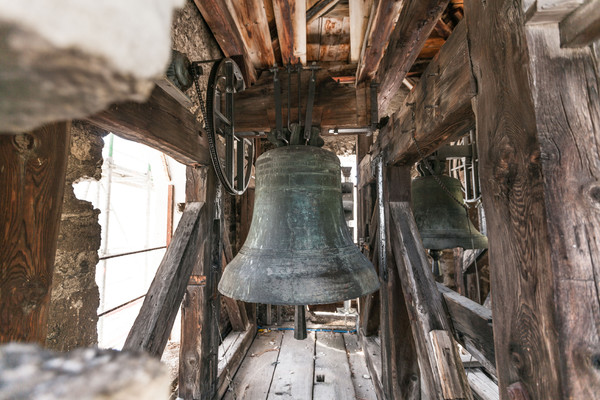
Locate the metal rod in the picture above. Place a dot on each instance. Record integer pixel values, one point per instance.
(112, 310)
(382, 227)
(131, 252)
(299, 69)
(289, 82)
(299, 323)
(309, 104)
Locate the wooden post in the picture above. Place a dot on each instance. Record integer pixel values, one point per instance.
(32, 178)
(441, 367)
(399, 361)
(538, 125)
(198, 361)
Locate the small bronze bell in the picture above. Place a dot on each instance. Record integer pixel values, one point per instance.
(441, 220)
(299, 250)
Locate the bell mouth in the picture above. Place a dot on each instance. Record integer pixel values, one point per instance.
(298, 277)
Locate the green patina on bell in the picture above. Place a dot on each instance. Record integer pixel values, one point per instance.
(441, 220)
(299, 250)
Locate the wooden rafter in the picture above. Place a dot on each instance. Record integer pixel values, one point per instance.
(382, 21)
(416, 22)
(359, 20)
(223, 26)
(290, 16)
(251, 20)
(319, 9)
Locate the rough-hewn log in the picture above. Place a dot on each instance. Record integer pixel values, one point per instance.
(335, 105)
(290, 18)
(582, 26)
(32, 178)
(437, 111)
(382, 21)
(472, 324)
(223, 25)
(152, 327)
(444, 376)
(161, 123)
(251, 21)
(416, 22)
(538, 122)
(198, 356)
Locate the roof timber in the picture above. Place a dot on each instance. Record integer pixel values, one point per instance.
(416, 22)
(290, 16)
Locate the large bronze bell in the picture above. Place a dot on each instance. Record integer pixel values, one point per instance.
(299, 250)
(441, 220)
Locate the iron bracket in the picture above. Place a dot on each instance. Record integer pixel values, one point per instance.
(310, 102)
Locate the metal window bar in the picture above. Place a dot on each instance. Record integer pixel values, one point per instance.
(121, 306)
(131, 252)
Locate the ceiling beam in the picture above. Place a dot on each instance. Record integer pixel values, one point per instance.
(382, 21)
(582, 26)
(416, 22)
(252, 23)
(359, 20)
(161, 123)
(319, 9)
(290, 17)
(437, 111)
(226, 31)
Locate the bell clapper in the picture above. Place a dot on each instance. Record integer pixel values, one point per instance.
(435, 264)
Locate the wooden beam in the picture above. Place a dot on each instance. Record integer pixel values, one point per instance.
(335, 105)
(161, 123)
(472, 325)
(198, 355)
(232, 359)
(441, 368)
(359, 20)
(251, 20)
(383, 19)
(320, 8)
(538, 122)
(290, 17)
(416, 22)
(582, 26)
(549, 11)
(436, 112)
(373, 359)
(32, 178)
(400, 363)
(227, 33)
(152, 327)
(236, 310)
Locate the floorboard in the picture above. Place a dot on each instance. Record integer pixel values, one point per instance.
(253, 379)
(293, 378)
(361, 378)
(332, 371)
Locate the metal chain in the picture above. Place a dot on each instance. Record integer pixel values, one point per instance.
(196, 78)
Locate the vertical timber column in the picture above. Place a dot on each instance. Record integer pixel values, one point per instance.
(400, 366)
(32, 178)
(198, 357)
(538, 123)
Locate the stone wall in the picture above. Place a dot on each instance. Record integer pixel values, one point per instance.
(73, 308)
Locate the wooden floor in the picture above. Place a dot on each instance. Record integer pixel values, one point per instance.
(324, 366)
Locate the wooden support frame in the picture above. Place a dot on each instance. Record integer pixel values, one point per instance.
(290, 18)
(161, 123)
(32, 178)
(537, 125)
(152, 327)
(441, 367)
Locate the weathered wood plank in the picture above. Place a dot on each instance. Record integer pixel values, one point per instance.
(290, 17)
(373, 357)
(483, 387)
(361, 378)
(472, 324)
(320, 8)
(335, 33)
(254, 376)
(161, 123)
(231, 359)
(152, 327)
(32, 178)
(251, 20)
(424, 307)
(359, 19)
(198, 362)
(293, 377)
(582, 26)
(227, 33)
(332, 372)
(416, 22)
(383, 19)
(549, 11)
(335, 104)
